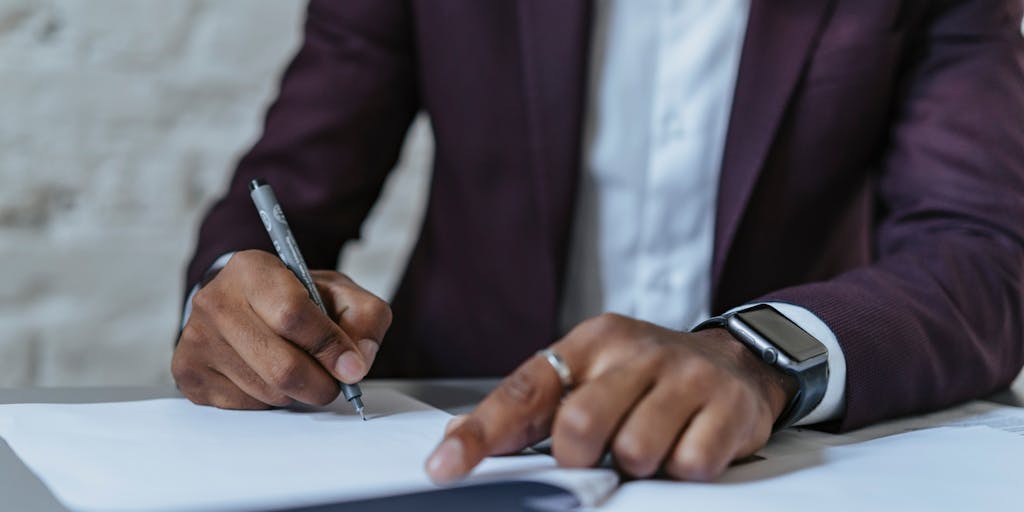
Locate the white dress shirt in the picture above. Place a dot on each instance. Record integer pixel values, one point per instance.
(662, 77)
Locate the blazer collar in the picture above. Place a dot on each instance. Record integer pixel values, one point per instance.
(554, 41)
(780, 35)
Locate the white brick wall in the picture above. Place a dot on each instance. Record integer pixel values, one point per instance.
(120, 120)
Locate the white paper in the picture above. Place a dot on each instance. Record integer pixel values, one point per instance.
(976, 413)
(1007, 419)
(173, 455)
(940, 469)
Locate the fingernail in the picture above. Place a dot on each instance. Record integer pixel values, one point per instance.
(369, 349)
(445, 464)
(350, 367)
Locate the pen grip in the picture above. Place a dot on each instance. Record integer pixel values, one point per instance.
(288, 250)
(284, 242)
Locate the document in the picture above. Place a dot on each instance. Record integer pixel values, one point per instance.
(976, 413)
(936, 469)
(170, 454)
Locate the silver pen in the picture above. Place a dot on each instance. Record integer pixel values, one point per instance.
(284, 243)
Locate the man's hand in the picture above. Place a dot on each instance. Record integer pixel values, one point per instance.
(687, 403)
(255, 339)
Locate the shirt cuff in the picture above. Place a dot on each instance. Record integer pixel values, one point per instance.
(834, 402)
(217, 265)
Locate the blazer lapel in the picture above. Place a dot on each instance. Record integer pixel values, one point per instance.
(554, 40)
(780, 35)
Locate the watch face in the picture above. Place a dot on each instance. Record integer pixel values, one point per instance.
(786, 335)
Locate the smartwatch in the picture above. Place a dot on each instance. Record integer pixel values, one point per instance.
(783, 344)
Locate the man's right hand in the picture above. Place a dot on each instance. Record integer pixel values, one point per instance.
(255, 339)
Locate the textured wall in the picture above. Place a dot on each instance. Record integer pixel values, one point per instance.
(120, 120)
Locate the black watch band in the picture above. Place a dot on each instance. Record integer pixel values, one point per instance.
(811, 373)
(805, 399)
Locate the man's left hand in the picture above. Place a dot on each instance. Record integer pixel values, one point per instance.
(685, 403)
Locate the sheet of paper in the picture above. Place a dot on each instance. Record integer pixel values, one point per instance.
(976, 413)
(940, 469)
(173, 455)
(1007, 419)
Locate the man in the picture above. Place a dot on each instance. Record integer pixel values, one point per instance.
(845, 176)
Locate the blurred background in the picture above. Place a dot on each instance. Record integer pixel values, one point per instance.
(120, 122)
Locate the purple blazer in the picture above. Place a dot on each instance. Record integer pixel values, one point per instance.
(873, 173)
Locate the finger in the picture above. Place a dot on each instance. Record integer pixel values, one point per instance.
(283, 304)
(359, 312)
(229, 364)
(652, 428)
(518, 413)
(226, 395)
(276, 361)
(709, 443)
(218, 391)
(587, 418)
(363, 316)
(192, 369)
(453, 423)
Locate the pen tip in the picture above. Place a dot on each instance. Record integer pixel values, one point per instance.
(357, 404)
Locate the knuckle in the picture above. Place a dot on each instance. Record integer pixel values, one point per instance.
(606, 323)
(288, 317)
(649, 351)
(519, 388)
(381, 311)
(278, 399)
(692, 463)
(699, 374)
(326, 344)
(674, 469)
(246, 259)
(197, 396)
(647, 346)
(701, 368)
(576, 421)
(287, 376)
(634, 455)
(372, 314)
(190, 334)
(207, 299)
(735, 392)
(186, 374)
(236, 400)
(190, 381)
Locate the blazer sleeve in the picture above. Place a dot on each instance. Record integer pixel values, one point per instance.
(329, 139)
(937, 318)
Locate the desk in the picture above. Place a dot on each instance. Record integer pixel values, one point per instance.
(21, 490)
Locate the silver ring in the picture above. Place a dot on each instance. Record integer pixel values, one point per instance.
(562, 369)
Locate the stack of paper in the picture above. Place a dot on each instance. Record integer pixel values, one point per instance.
(173, 455)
